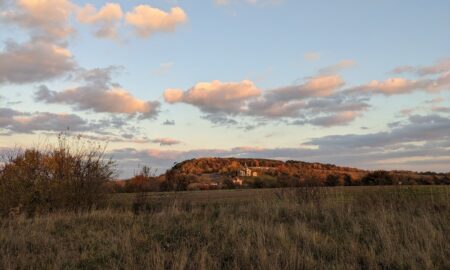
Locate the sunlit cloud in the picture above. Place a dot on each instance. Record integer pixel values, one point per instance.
(47, 19)
(106, 20)
(34, 61)
(99, 94)
(147, 20)
(441, 66)
(394, 86)
(216, 96)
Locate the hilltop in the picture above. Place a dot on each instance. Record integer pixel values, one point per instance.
(219, 173)
(204, 173)
(228, 166)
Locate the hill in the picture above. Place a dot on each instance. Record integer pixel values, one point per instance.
(231, 172)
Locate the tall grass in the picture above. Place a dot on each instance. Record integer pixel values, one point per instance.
(333, 228)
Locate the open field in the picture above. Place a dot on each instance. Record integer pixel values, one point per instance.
(308, 228)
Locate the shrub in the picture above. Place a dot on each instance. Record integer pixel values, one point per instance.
(70, 175)
(333, 180)
(143, 181)
(348, 181)
(378, 178)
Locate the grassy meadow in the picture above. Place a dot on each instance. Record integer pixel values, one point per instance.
(394, 227)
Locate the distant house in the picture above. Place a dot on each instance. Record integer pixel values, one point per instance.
(246, 171)
(237, 181)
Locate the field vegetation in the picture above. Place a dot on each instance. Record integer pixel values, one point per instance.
(59, 209)
(303, 228)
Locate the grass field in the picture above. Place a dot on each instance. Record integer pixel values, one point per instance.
(313, 228)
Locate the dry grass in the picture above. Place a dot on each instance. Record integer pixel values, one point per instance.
(333, 228)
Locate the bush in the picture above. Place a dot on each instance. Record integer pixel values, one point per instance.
(143, 181)
(70, 175)
(378, 178)
(333, 180)
(348, 181)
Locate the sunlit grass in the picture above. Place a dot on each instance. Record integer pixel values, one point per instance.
(341, 228)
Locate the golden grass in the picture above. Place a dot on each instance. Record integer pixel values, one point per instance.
(337, 228)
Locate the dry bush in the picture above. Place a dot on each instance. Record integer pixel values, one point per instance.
(69, 175)
(143, 181)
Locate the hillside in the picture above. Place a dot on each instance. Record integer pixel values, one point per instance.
(228, 166)
(206, 173)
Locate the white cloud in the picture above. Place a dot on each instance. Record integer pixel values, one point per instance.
(106, 20)
(216, 96)
(47, 19)
(148, 20)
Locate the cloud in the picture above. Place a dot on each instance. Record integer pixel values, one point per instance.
(317, 86)
(99, 94)
(220, 119)
(441, 66)
(48, 19)
(333, 69)
(442, 109)
(165, 141)
(106, 130)
(419, 128)
(312, 56)
(315, 101)
(163, 69)
(215, 96)
(169, 123)
(275, 109)
(290, 101)
(34, 61)
(394, 86)
(22, 122)
(123, 138)
(106, 20)
(341, 118)
(112, 100)
(319, 100)
(148, 20)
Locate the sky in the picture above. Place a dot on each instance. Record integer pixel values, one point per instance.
(354, 83)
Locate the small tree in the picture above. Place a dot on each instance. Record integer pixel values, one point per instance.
(332, 180)
(378, 178)
(348, 181)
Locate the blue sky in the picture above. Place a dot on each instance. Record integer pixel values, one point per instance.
(277, 79)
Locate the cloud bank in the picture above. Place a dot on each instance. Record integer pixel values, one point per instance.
(100, 94)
